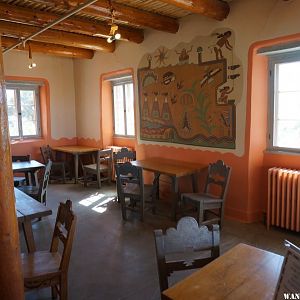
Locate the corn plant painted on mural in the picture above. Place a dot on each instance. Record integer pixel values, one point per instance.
(188, 95)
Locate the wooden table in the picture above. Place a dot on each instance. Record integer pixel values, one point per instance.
(28, 166)
(244, 272)
(76, 151)
(27, 209)
(174, 169)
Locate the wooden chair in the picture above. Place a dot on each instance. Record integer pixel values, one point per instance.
(132, 192)
(50, 268)
(60, 166)
(39, 192)
(218, 176)
(123, 155)
(102, 168)
(187, 247)
(24, 179)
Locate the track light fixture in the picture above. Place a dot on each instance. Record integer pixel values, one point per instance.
(113, 34)
(32, 64)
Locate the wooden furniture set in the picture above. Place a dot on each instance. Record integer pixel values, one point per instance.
(19, 180)
(50, 268)
(218, 175)
(60, 166)
(39, 192)
(76, 151)
(30, 167)
(28, 209)
(175, 170)
(244, 272)
(188, 246)
(102, 168)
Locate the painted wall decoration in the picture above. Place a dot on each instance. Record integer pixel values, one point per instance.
(188, 95)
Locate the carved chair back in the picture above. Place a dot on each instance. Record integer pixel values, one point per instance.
(124, 155)
(64, 230)
(188, 246)
(42, 193)
(47, 153)
(16, 158)
(104, 162)
(129, 174)
(218, 175)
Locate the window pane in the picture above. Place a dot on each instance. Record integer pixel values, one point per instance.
(289, 105)
(289, 76)
(119, 110)
(287, 134)
(129, 108)
(28, 110)
(12, 111)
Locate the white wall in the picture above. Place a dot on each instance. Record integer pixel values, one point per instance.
(60, 75)
(250, 20)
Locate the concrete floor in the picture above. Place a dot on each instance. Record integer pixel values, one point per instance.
(112, 259)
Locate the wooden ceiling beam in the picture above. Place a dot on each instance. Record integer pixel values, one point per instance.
(39, 18)
(56, 37)
(51, 49)
(216, 9)
(123, 14)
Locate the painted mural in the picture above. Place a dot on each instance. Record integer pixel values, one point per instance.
(188, 95)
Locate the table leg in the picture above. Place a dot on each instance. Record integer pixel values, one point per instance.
(28, 234)
(76, 167)
(175, 197)
(195, 182)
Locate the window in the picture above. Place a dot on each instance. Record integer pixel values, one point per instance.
(284, 112)
(123, 102)
(23, 106)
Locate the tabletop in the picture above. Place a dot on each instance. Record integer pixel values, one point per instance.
(27, 165)
(75, 149)
(29, 208)
(169, 166)
(244, 272)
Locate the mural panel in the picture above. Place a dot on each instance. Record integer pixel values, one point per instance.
(188, 95)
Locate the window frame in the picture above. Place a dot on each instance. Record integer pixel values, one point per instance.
(274, 60)
(117, 82)
(31, 86)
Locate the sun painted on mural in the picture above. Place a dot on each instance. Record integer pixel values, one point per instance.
(188, 95)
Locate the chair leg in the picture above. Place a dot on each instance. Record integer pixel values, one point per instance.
(84, 178)
(54, 292)
(123, 207)
(142, 209)
(64, 173)
(200, 212)
(63, 288)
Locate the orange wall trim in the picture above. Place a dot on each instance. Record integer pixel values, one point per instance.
(33, 146)
(257, 128)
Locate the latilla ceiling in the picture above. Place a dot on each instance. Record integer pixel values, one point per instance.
(87, 30)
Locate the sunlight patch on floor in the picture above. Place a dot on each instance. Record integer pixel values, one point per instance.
(102, 207)
(92, 199)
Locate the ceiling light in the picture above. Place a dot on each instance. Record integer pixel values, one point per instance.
(113, 34)
(32, 64)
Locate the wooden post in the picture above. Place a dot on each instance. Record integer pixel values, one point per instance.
(11, 279)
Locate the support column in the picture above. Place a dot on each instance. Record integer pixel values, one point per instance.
(11, 279)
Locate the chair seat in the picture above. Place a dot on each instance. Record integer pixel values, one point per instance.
(19, 181)
(93, 167)
(32, 191)
(197, 197)
(40, 263)
(134, 189)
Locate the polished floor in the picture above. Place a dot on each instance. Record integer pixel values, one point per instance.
(112, 259)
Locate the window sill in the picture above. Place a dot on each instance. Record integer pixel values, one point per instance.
(24, 141)
(124, 137)
(282, 152)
